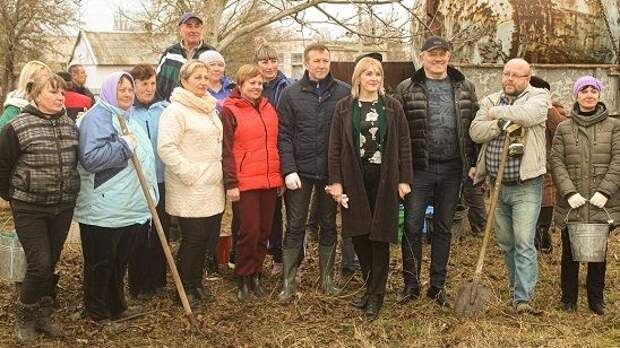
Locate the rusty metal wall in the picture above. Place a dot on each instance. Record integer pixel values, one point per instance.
(561, 77)
(541, 31)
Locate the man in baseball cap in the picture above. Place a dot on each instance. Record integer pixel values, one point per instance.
(439, 103)
(190, 47)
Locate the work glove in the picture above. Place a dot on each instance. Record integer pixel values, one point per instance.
(503, 125)
(598, 200)
(131, 141)
(576, 200)
(292, 181)
(335, 190)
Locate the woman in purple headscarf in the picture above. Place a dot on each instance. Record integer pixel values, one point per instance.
(111, 207)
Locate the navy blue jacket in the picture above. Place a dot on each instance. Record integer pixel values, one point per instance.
(305, 121)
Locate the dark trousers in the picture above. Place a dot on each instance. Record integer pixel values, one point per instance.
(42, 232)
(438, 185)
(275, 240)
(147, 264)
(569, 276)
(197, 237)
(297, 206)
(255, 209)
(374, 256)
(106, 254)
(473, 197)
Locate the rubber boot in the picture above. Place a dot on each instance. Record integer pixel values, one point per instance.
(256, 285)
(289, 272)
(244, 288)
(43, 322)
(375, 302)
(327, 255)
(25, 320)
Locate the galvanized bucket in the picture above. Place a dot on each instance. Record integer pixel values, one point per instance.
(12, 256)
(588, 242)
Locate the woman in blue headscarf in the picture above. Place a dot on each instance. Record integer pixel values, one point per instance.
(111, 207)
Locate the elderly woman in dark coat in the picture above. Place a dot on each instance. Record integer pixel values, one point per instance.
(585, 160)
(369, 166)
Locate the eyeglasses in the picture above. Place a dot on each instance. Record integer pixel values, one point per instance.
(513, 76)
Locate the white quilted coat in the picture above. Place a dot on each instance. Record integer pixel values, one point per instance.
(190, 145)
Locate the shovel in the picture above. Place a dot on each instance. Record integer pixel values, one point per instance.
(160, 232)
(473, 297)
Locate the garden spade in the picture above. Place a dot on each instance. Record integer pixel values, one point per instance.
(473, 297)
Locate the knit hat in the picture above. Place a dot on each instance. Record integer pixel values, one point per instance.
(211, 56)
(586, 81)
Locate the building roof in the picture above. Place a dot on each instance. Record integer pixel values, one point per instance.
(61, 48)
(126, 48)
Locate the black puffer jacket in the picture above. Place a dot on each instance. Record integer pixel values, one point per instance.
(305, 122)
(413, 95)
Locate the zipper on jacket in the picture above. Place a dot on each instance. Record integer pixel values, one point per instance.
(260, 115)
(245, 154)
(57, 134)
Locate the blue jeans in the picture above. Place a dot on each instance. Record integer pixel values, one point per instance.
(516, 214)
(439, 185)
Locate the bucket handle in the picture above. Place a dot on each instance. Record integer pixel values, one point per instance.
(610, 221)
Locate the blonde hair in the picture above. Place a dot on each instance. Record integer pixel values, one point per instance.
(190, 67)
(265, 52)
(362, 66)
(28, 74)
(246, 72)
(36, 87)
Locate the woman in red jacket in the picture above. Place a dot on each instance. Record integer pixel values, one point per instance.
(251, 173)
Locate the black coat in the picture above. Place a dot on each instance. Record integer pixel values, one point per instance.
(413, 96)
(396, 168)
(305, 120)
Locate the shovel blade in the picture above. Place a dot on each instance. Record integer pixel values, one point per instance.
(472, 298)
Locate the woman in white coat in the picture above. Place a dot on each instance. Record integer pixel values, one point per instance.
(190, 145)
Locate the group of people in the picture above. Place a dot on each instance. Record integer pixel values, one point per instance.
(202, 140)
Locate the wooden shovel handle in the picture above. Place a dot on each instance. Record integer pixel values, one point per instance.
(160, 230)
(491, 213)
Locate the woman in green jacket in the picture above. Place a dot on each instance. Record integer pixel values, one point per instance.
(585, 161)
(16, 100)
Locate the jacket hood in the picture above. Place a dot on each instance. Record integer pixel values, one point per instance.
(453, 73)
(31, 109)
(586, 121)
(17, 99)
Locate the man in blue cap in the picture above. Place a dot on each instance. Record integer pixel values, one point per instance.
(190, 47)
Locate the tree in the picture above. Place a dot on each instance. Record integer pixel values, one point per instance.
(226, 21)
(27, 28)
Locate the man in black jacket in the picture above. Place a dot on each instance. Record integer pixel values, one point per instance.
(190, 47)
(439, 104)
(305, 111)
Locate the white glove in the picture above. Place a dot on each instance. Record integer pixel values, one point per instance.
(292, 181)
(344, 201)
(131, 141)
(598, 200)
(575, 201)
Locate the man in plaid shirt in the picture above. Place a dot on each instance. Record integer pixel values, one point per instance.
(522, 184)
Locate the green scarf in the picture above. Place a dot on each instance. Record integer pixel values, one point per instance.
(357, 115)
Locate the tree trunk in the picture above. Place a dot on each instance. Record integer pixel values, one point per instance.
(213, 15)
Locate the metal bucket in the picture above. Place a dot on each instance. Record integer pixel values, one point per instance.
(588, 242)
(12, 257)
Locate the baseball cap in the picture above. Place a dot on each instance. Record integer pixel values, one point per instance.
(187, 16)
(435, 42)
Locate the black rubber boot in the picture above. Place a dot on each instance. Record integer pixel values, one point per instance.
(327, 255)
(256, 284)
(375, 302)
(25, 321)
(244, 288)
(289, 272)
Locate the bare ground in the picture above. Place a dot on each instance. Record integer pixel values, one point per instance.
(314, 320)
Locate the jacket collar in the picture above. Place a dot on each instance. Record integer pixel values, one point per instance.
(306, 84)
(453, 74)
(236, 99)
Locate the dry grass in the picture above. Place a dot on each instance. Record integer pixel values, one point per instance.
(316, 321)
